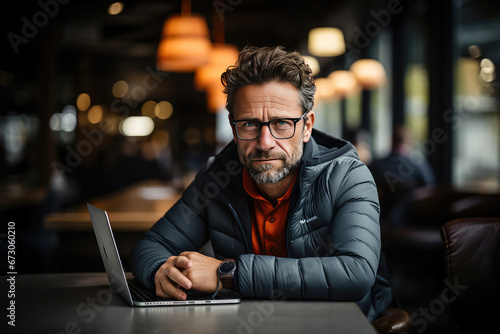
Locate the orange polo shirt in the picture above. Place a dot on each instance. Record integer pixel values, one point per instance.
(268, 222)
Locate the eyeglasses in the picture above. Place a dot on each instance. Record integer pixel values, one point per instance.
(281, 128)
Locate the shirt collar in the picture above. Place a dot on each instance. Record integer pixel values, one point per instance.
(253, 191)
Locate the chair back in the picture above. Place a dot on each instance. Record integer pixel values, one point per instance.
(472, 260)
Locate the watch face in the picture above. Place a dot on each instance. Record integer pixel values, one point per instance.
(227, 267)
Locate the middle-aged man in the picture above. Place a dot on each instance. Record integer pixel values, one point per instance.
(290, 211)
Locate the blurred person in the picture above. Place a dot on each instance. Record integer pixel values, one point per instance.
(290, 211)
(398, 175)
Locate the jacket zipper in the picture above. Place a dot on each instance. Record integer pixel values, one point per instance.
(240, 225)
(288, 246)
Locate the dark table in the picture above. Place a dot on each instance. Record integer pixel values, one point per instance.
(83, 303)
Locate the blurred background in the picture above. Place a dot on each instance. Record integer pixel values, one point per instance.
(119, 103)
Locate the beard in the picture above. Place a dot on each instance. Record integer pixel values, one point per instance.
(267, 173)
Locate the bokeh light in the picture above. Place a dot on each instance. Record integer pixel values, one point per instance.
(120, 88)
(148, 109)
(95, 114)
(68, 119)
(83, 102)
(164, 109)
(55, 122)
(137, 126)
(115, 8)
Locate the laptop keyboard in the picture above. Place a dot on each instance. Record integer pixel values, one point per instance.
(140, 293)
(197, 295)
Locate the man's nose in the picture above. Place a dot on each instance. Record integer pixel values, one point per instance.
(266, 141)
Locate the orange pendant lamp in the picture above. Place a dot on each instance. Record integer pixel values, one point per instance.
(185, 43)
(221, 56)
(208, 77)
(369, 72)
(345, 83)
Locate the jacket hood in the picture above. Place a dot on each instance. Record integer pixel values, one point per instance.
(323, 147)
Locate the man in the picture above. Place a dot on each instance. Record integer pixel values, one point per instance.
(293, 207)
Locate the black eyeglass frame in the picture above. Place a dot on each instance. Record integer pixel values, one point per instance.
(294, 120)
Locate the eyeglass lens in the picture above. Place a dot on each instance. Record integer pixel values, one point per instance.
(280, 129)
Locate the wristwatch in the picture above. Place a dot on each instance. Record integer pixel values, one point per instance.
(226, 273)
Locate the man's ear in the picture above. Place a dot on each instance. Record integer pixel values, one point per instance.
(308, 126)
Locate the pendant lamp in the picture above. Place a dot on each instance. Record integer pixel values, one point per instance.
(216, 99)
(185, 43)
(208, 77)
(325, 90)
(369, 72)
(326, 42)
(221, 56)
(344, 83)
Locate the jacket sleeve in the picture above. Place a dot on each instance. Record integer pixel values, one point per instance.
(351, 247)
(183, 228)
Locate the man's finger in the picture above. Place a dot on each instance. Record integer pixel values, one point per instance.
(182, 262)
(165, 288)
(176, 276)
(171, 291)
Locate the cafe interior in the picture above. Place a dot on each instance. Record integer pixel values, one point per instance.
(119, 104)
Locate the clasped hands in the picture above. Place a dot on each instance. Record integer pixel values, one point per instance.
(189, 270)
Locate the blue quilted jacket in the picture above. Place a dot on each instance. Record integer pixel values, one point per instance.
(333, 233)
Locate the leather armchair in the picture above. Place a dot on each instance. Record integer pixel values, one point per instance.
(392, 320)
(472, 270)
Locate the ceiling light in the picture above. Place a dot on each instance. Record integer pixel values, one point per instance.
(216, 99)
(344, 83)
(325, 90)
(185, 43)
(115, 8)
(184, 54)
(221, 57)
(369, 72)
(137, 126)
(326, 42)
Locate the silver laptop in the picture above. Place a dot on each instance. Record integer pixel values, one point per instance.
(132, 291)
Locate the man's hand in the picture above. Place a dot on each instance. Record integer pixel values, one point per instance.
(189, 270)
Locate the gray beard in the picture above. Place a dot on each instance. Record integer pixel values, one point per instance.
(264, 173)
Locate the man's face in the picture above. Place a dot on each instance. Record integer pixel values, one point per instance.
(267, 159)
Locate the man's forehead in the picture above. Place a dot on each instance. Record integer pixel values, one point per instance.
(255, 101)
(270, 96)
